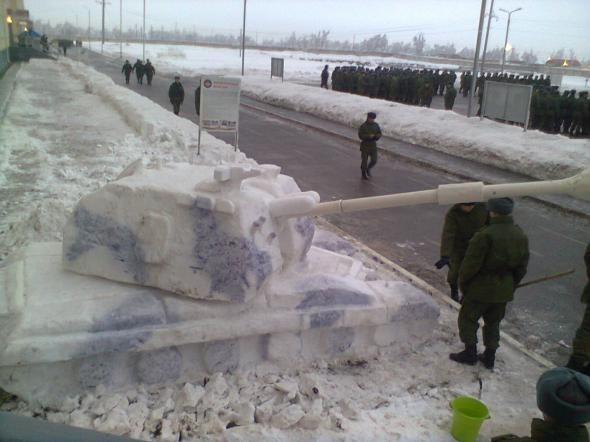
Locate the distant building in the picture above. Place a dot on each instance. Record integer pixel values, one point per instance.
(563, 63)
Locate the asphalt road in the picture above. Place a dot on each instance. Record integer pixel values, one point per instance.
(541, 316)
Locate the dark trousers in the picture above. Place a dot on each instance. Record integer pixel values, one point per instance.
(127, 78)
(365, 154)
(139, 78)
(149, 79)
(176, 107)
(581, 344)
(492, 314)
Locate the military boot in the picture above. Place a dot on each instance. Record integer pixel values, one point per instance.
(488, 357)
(455, 293)
(467, 356)
(577, 363)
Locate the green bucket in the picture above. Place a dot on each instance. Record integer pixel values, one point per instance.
(468, 415)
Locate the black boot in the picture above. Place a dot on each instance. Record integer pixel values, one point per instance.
(455, 293)
(488, 357)
(467, 356)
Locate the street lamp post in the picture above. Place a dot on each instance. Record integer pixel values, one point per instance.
(143, 33)
(507, 29)
(485, 44)
(476, 58)
(244, 39)
(121, 29)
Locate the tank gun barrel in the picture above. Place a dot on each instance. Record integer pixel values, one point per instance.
(577, 186)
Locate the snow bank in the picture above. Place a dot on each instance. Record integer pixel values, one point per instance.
(148, 120)
(533, 153)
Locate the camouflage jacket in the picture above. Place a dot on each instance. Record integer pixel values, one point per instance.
(545, 431)
(495, 262)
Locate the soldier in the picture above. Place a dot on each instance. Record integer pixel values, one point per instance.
(127, 68)
(369, 132)
(138, 67)
(580, 358)
(176, 94)
(462, 221)
(563, 396)
(450, 95)
(336, 79)
(580, 114)
(495, 262)
(324, 77)
(149, 71)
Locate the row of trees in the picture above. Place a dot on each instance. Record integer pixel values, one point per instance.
(319, 40)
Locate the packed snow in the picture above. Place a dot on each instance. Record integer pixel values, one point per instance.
(532, 153)
(58, 150)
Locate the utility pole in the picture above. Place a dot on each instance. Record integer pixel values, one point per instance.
(143, 33)
(507, 28)
(485, 44)
(103, 6)
(244, 39)
(121, 29)
(476, 58)
(89, 29)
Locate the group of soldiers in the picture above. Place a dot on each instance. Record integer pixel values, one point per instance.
(409, 86)
(567, 113)
(488, 254)
(140, 69)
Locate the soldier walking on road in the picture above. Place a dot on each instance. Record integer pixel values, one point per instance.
(127, 68)
(138, 68)
(462, 221)
(325, 76)
(495, 262)
(176, 94)
(369, 133)
(149, 71)
(580, 358)
(450, 95)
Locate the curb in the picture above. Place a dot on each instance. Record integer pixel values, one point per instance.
(12, 82)
(434, 292)
(409, 159)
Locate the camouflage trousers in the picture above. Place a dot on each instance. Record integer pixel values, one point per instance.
(492, 314)
(581, 344)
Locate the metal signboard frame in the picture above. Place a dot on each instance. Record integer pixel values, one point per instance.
(277, 67)
(507, 101)
(219, 106)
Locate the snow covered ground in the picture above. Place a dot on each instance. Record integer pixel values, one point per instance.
(532, 153)
(56, 150)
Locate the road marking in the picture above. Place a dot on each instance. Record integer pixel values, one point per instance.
(562, 235)
(536, 253)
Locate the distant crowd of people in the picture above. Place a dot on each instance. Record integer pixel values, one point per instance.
(567, 113)
(140, 69)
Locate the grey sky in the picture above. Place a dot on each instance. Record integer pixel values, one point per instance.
(542, 25)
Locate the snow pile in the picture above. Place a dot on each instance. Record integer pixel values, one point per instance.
(534, 153)
(148, 120)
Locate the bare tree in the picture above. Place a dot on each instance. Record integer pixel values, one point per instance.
(419, 42)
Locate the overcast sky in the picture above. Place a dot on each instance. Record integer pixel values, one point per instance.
(542, 25)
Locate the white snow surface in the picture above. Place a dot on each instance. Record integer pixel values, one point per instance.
(56, 150)
(532, 153)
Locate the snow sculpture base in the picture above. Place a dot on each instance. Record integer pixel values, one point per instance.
(63, 332)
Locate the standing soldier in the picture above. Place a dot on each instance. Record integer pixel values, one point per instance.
(450, 95)
(325, 76)
(149, 71)
(580, 358)
(462, 221)
(176, 94)
(495, 262)
(138, 67)
(127, 68)
(369, 133)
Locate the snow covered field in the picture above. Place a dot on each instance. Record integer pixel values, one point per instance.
(57, 150)
(532, 153)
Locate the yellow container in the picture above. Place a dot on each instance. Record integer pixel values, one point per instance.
(468, 415)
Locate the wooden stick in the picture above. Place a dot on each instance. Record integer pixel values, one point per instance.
(546, 278)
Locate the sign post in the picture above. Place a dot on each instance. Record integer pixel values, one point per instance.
(507, 101)
(219, 106)
(277, 67)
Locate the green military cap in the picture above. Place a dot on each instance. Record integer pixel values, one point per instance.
(564, 395)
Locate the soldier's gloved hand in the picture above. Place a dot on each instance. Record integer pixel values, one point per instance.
(443, 261)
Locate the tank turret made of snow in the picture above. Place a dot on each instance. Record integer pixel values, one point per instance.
(201, 231)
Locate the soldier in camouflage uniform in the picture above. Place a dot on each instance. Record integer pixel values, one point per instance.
(369, 132)
(580, 358)
(495, 262)
(563, 396)
(462, 221)
(450, 95)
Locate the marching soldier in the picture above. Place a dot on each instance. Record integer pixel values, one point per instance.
(580, 358)
(369, 132)
(149, 71)
(176, 94)
(450, 95)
